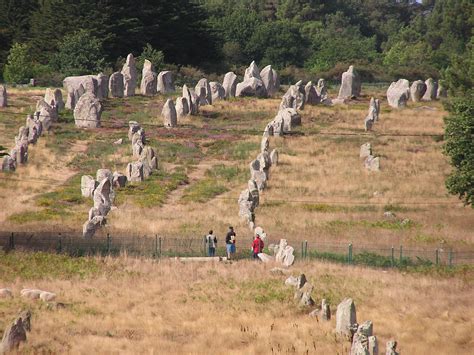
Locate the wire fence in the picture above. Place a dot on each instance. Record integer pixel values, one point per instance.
(157, 247)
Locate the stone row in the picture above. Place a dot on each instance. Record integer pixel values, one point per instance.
(400, 92)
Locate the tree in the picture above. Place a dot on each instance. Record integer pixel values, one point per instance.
(155, 56)
(19, 65)
(79, 53)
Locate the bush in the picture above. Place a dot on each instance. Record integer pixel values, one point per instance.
(155, 56)
(18, 69)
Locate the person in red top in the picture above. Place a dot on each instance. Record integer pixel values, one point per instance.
(257, 246)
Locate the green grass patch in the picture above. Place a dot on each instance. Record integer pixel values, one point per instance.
(173, 152)
(203, 190)
(46, 214)
(392, 225)
(95, 156)
(63, 136)
(38, 265)
(264, 292)
(231, 150)
(227, 173)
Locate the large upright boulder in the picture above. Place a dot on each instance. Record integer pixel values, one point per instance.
(350, 84)
(217, 91)
(203, 91)
(252, 84)
(169, 115)
(417, 90)
(3, 96)
(311, 95)
(149, 79)
(192, 99)
(103, 196)
(116, 88)
(88, 111)
(252, 71)
(165, 83)
(134, 172)
(102, 86)
(35, 128)
(230, 84)
(14, 335)
(431, 90)
(293, 98)
(149, 161)
(76, 86)
(54, 98)
(129, 72)
(182, 107)
(46, 109)
(442, 91)
(345, 317)
(88, 185)
(373, 115)
(270, 79)
(322, 92)
(398, 93)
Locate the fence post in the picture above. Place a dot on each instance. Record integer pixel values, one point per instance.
(12, 241)
(302, 250)
(160, 246)
(204, 246)
(109, 242)
(350, 254)
(401, 254)
(437, 257)
(156, 246)
(393, 257)
(60, 245)
(306, 249)
(450, 257)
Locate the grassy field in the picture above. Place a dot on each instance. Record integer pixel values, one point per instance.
(320, 192)
(125, 305)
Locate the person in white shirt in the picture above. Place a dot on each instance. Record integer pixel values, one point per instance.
(211, 241)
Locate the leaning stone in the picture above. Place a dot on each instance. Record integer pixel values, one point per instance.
(265, 257)
(229, 84)
(90, 227)
(217, 91)
(135, 172)
(165, 83)
(391, 348)
(325, 310)
(88, 111)
(129, 72)
(270, 80)
(345, 317)
(365, 150)
(102, 86)
(303, 295)
(88, 185)
(203, 91)
(431, 90)
(350, 84)
(252, 72)
(6, 293)
(398, 93)
(169, 115)
(417, 90)
(3, 96)
(47, 296)
(149, 79)
(116, 88)
(293, 98)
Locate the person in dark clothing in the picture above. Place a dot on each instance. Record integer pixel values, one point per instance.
(230, 243)
(257, 246)
(211, 241)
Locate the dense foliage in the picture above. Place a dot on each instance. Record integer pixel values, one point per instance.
(388, 38)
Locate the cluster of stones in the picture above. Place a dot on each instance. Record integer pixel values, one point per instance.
(45, 114)
(264, 83)
(401, 91)
(362, 337)
(101, 190)
(282, 253)
(299, 95)
(373, 115)
(371, 162)
(35, 294)
(146, 159)
(15, 333)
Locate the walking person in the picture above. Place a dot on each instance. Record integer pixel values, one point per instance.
(211, 241)
(257, 246)
(230, 243)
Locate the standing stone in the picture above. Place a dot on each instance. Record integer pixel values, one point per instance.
(47, 110)
(88, 185)
(345, 317)
(229, 84)
(372, 163)
(303, 295)
(102, 86)
(169, 115)
(252, 71)
(203, 91)
(442, 91)
(102, 174)
(103, 196)
(293, 98)
(88, 111)
(34, 129)
(417, 90)
(311, 95)
(431, 90)
(270, 80)
(14, 335)
(182, 108)
(325, 310)
(92, 225)
(149, 161)
(165, 84)
(191, 98)
(149, 80)
(373, 115)
(8, 163)
(134, 172)
(251, 87)
(398, 93)
(350, 84)
(217, 91)
(373, 345)
(134, 127)
(274, 157)
(76, 86)
(119, 180)
(129, 72)
(54, 98)
(391, 348)
(365, 150)
(3, 96)
(116, 84)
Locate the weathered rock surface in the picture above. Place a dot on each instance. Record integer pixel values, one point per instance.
(251, 87)
(129, 72)
(311, 95)
(391, 348)
(88, 111)
(270, 80)
(417, 90)
(134, 172)
(373, 115)
(217, 91)
(76, 86)
(165, 83)
(372, 163)
(103, 196)
(91, 226)
(285, 253)
(345, 317)
(182, 108)
(365, 150)
(148, 84)
(54, 98)
(8, 163)
(274, 157)
(102, 86)
(149, 161)
(303, 295)
(46, 296)
(350, 84)
(119, 180)
(116, 87)
(325, 310)
(322, 91)
(15, 334)
(170, 118)
(102, 174)
(203, 91)
(398, 93)
(3, 96)
(293, 98)
(229, 84)
(191, 98)
(88, 185)
(431, 90)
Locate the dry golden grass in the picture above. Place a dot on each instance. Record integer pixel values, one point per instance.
(141, 306)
